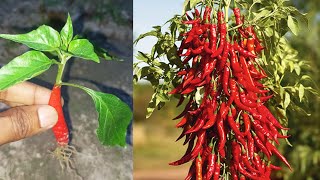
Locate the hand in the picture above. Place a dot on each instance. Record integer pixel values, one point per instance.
(29, 113)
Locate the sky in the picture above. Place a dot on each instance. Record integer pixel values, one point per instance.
(148, 13)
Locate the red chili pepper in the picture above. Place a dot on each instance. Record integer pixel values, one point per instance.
(217, 169)
(275, 167)
(212, 118)
(244, 158)
(180, 100)
(224, 57)
(209, 67)
(250, 45)
(198, 50)
(213, 37)
(211, 164)
(278, 154)
(201, 137)
(236, 151)
(183, 121)
(186, 157)
(268, 171)
(265, 98)
(223, 33)
(265, 112)
(222, 135)
(191, 172)
(233, 110)
(186, 109)
(232, 124)
(236, 68)
(199, 168)
(185, 128)
(233, 172)
(261, 145)
(250, 146)
(246, 173)
(246, 101)
(225, 80)
(197, 126)
(237, 15)
(258, 128)
(189, 89)
(242, 51)
(257, 161)
(242, 177)
(60, 129)
(247, 124)
(194, 21)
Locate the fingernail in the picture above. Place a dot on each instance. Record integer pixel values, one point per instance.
(47, 116)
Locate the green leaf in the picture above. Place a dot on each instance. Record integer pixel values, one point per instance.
(44, 38)
(102, 53)
(155, 32)
(293, 25)
(24, 67)
(301, 92)
(67, 32)
(193, 3)
(84, 49)
(114, 117)
(286, 100)
(186, 6)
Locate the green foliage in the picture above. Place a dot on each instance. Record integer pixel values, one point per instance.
(24, 67)
(45, 38)
(84, 49)
(114, 115)
(66, 33)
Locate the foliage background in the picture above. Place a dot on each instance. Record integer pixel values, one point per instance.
(154, 138)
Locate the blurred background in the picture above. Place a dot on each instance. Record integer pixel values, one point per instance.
(154, 138)
(107, 24)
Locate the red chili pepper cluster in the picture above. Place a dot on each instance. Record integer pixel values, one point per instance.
(232, 114)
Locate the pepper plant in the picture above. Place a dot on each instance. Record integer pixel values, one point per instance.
(114, 115)
(230, 61)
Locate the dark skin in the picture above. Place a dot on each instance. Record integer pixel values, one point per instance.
(29, 113)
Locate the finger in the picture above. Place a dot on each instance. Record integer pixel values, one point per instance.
(24, 121)
(25, 93)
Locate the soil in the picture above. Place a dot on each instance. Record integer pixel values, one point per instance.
(106, 23)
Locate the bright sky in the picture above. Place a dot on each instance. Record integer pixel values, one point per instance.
(148, 13)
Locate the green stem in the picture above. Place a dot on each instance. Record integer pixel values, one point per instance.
(63, 60)
(72, 85)
(235, 27)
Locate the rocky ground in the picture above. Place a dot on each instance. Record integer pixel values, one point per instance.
(106, 23)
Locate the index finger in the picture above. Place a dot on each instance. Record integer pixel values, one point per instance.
(25, 93)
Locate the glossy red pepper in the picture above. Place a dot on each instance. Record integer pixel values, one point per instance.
(217, 169)
(199, 168)
(225, 80)
(247, 123)
(278, 154)
(236, 68)
(222, 136)
(233, 125)
(211, 164)
(242, 51)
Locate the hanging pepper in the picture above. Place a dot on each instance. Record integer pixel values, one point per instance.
(199, 168)
(217, 169)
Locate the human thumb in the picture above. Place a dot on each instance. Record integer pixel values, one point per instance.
(25, 121)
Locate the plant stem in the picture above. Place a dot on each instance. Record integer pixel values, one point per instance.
(63, 60)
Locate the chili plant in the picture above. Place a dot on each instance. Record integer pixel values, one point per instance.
(114, 115)
(229, 62)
